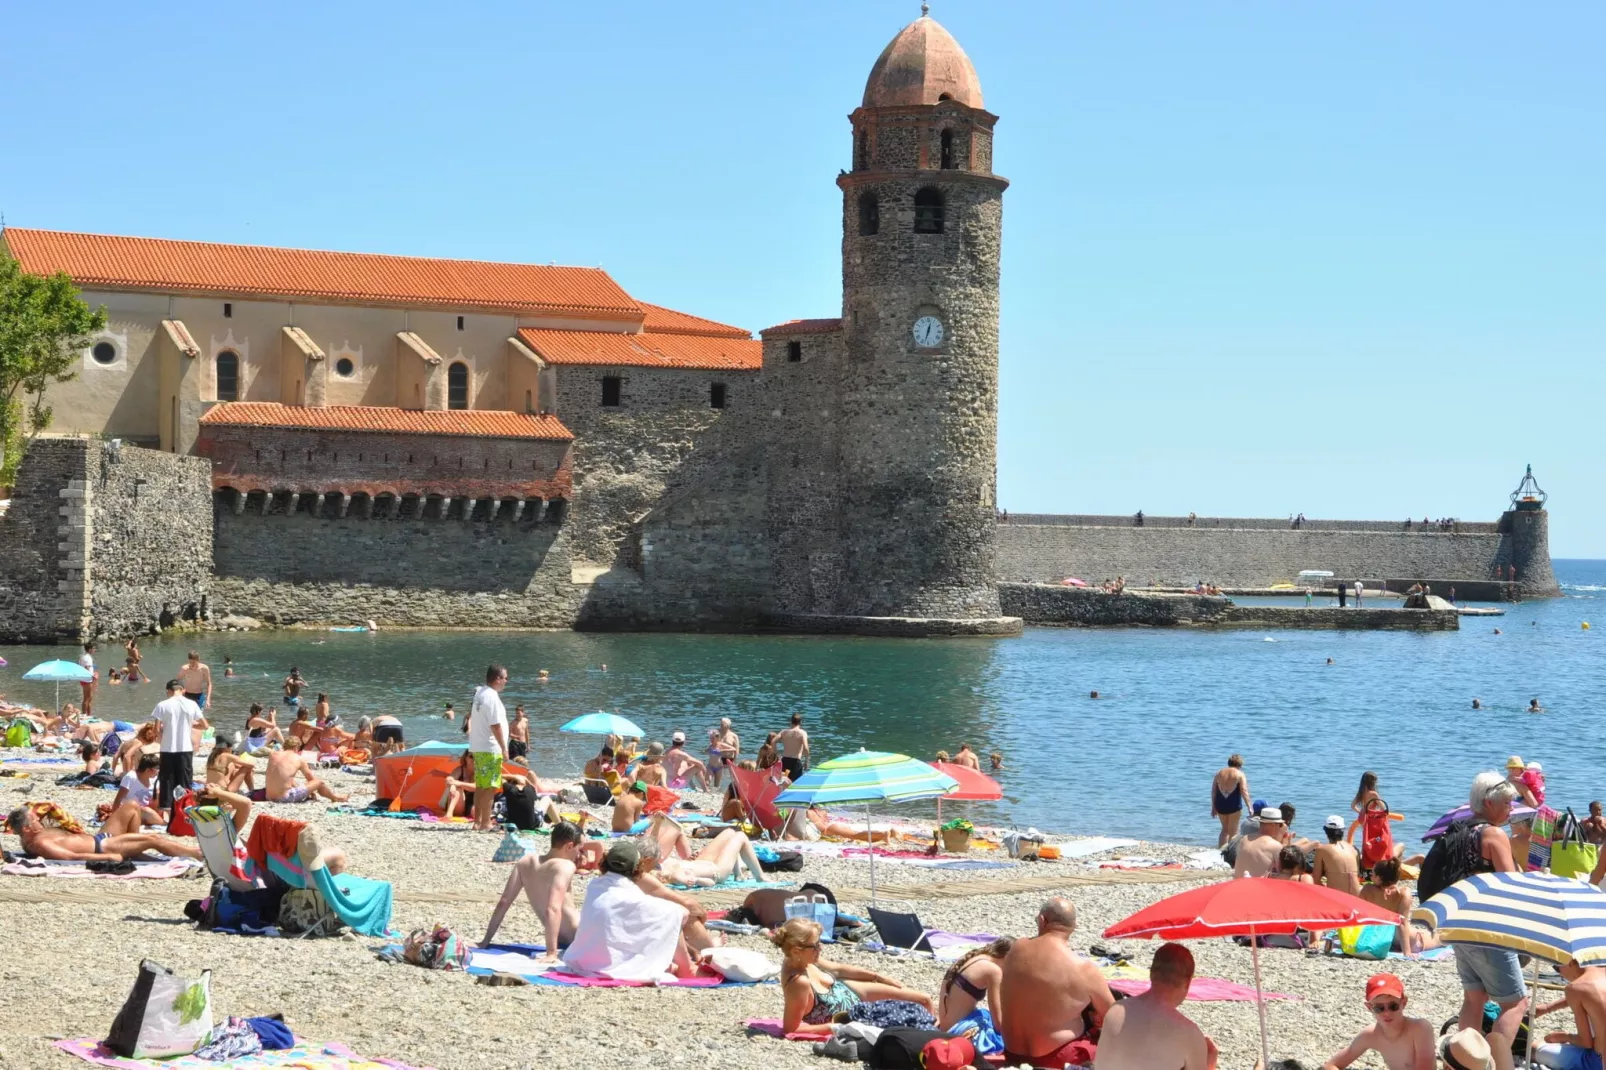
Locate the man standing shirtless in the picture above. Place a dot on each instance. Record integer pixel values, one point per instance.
(545, 882)
(196, 676)
(1586, 998)
(794, 745)
(1148, 1031)
(283, 768)
(118, 840)
(1046, 989)
(1336, 862)
(1405, 1043)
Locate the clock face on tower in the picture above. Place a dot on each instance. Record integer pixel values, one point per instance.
(928, 332)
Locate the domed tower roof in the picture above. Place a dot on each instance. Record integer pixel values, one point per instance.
(922, 65)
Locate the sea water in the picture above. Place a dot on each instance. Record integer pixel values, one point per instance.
(1137, 761)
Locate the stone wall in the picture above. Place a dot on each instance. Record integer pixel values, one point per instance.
(1331, 617)
(1053, 604)
(44, 541)
(1236, 557)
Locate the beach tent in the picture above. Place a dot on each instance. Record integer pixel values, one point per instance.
(417, 777)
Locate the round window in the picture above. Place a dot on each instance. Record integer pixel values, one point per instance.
(344, 367)
(104, 353)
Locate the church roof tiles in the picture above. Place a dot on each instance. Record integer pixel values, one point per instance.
(484, 423)
(819, 326)
(652, 349)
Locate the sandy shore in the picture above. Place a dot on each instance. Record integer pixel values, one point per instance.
(71, 965)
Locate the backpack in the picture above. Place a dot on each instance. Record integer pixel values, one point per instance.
(772, 861)
(900, 1048)
(178, 822)
(304, 911)
(1377, 841)
(1456, 855)
(110, 744)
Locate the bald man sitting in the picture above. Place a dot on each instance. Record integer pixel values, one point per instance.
(1148, 1031)
(1053, 1000)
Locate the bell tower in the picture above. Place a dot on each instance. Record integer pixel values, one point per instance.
(918, 423)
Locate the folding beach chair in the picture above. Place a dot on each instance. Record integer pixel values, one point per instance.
(220, 847)
(757, 791)
(900, 930)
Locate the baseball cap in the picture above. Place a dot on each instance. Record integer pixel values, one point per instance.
(1260, 804)
(1271, 813)
(655, 748)
(640, 785)
(1384, 984)
(678, 737)
(1514, 762)
(622, 858)
(1333, 822)
(174, 685)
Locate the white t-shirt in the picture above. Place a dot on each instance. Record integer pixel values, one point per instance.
(136, 789)
(487, 710)
(177, 715)
(87, 660)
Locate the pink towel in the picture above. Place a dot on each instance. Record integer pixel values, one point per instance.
(172, 867)
(1205, 990)
(772, 1027)
(581, 981)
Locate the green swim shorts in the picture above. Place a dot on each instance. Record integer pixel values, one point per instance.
(487, 771)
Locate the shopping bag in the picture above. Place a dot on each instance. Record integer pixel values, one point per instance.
(164, 1015)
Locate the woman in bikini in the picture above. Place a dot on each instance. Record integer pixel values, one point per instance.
(818, 993)
(226, 774)
(459, 781)
(971, 981)
(1229, 794)
(128, 755)
(717, 861)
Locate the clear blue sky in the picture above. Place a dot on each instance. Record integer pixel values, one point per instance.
(1259, 258)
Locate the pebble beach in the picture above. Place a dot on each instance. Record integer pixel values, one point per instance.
(73, 962)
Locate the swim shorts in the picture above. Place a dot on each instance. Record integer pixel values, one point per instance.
(388, 733)
(518, 748)
(487, 771)
(297, 794)
(1079, 1052)
(1494, 971)
(1566, 1057)
(197, 697)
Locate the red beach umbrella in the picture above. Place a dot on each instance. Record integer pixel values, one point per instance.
(973, 784)
(1250, 906)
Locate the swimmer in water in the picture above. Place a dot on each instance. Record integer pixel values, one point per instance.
(1093, 694)
(1329, 661)
(1497, 631)
(1477, 704)
(1534, 707)
(543, 676)
(450, 714)
(228, 666)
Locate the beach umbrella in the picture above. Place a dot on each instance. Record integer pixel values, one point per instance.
(57, 671)
(1538, 914)
(867, 776)
(1251, 907)
(604, 724)
(974, 785)
(1518, 812)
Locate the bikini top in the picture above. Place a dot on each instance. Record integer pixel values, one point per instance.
(969, 987)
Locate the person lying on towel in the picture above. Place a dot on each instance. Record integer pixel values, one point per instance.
(118, 840)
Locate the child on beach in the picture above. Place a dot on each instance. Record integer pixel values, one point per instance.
(1403, 1042)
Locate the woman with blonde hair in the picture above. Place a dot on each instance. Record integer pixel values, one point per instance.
(818, 993)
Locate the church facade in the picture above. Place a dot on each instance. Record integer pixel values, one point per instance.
(444, 442)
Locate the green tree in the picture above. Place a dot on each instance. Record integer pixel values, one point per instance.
(44, 326)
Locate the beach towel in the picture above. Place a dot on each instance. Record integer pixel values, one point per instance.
(1092, 846)
(519, 960)
(624, 934)
(50, 867)
(361, 903)
(1204, 990)
(306, 1055)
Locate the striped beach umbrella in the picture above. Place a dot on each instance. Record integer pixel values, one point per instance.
(867, 776)
(1540, 914)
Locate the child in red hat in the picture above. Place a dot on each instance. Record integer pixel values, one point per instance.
(1405, 1043)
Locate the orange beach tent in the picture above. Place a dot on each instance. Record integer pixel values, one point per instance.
(415, 779)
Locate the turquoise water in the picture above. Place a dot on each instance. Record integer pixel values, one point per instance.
(1137, 762)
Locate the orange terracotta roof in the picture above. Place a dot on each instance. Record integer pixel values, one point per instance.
(647, 350)
(668, 321)
(485, 423)
(159, 264)
(803, 327)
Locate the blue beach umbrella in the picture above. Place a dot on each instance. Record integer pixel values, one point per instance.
(603, 724)
(868, 776)
(56, 671)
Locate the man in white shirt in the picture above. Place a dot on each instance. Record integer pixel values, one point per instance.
(176, 716)
(487, 741)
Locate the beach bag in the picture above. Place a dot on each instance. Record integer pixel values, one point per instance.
(436, 949)
(1377, 841)
(178, 823)
(110, 744)
(899, 1048)
(1541, 835)
(19, 733)
(1570, 856)
(1456, 855)
(513, 846)
(1366, 941)
(740, 964)
(817, 908)
(772, 861)
(164, 1015)
(305, 912)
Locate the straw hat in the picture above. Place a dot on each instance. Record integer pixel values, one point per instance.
(1515, 762)
(1466, 1049)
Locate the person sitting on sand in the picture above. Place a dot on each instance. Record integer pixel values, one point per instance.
(695, 931)
(89, 754)
(139, 788)
(732, 808)
(285, 766)
(651, 770)
(817, 991)
(1046, 990)
(457, 793)
(262, 729)
(146, 740)
(622, 932)
(627, 808)
(967, 757)
(1291, 866)
(304, 728)
(684, 768)
(1385, 890)
(1401, 1041)
(601, 774)
(1585, 996)
(546, 883)
(118, 840)
(716, 861)
(1149, 1030)
(1337, 864)
(970, 982)
(227, 775)
(1257, 856)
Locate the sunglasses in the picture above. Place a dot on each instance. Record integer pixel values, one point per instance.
(1385, 1008)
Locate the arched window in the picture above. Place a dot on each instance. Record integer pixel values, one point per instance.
(947, 150)
(869, 214)
(457, 386)
(928, 210)
(228, 375)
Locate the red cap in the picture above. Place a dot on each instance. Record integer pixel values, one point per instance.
(1384, 984)
(948, 1053)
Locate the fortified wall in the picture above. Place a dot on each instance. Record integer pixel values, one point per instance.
(1241, 552)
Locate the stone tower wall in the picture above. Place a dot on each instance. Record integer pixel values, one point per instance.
(1526, 547)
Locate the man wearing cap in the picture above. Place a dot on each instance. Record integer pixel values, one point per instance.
(1337, 864)
(624, 933)
(1403, 1042)
(1257, 856)
(1586, 998)
(683, 767)
(177, 716)
(651, 770)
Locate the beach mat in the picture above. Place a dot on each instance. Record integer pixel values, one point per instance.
(1203, 990)
(519, 960)
(305, 1055)
(773, 1027)
(1092, 846)
(50, 867)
